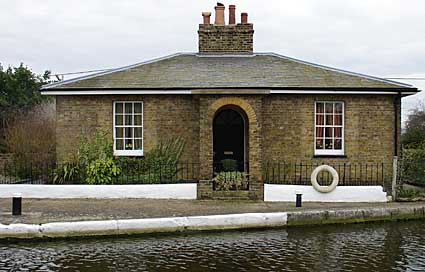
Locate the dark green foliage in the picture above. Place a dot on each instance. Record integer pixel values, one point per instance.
(413, 165)
(229, 165)
(406, 193)
(414, 134)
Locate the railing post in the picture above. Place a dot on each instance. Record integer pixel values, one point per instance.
(394, 181)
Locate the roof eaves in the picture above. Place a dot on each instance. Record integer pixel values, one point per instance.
(60, 83)
(404, 85)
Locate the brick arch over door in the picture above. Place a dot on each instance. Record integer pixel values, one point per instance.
(206, 130)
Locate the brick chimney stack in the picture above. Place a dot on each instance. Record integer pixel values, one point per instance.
(219, 38)
(232, 15)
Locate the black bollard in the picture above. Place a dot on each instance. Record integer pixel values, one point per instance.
(17, 204)
(298, 202)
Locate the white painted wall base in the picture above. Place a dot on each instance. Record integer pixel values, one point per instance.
(286, 193)
(152, 191)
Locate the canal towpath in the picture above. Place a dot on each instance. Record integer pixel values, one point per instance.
(182, 213)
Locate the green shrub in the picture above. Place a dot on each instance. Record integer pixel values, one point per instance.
(413, 165)
(226, 181)
(94, 155)
(102, 171)
(406, 193)
(99, 146)
(67, 172)
(229, 165)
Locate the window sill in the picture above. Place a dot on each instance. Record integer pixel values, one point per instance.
(128, 153)
(330, 156)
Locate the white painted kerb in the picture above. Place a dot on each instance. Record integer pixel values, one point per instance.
(153, 191)
(152, 225)
(286, 193)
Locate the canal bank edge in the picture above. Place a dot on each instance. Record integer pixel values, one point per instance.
(208, 223)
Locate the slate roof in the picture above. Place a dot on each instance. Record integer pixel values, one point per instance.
(194, 71)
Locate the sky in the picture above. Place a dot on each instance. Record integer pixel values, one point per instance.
(382, 38)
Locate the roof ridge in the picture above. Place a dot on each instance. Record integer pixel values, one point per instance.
(110, 71)
(405, 85)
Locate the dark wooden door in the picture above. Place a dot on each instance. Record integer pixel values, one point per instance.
(229, 138)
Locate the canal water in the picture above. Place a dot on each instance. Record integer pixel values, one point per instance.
(362, 247)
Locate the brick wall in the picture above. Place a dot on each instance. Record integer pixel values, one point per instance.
(226, 39)
(5, 158)
(164, 117)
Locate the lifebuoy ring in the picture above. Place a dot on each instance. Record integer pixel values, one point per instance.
(324, 189)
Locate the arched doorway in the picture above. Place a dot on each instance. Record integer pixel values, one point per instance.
(230, 128)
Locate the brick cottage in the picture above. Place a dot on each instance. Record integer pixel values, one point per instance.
(229, 102)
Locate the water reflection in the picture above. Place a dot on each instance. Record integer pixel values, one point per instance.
(371, 247)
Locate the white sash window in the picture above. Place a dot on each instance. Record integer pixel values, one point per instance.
(329, 128)
(128, 128)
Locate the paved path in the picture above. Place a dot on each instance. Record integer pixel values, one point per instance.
(37, 211)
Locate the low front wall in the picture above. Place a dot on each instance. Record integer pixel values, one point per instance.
(287, 193)
(153, 191)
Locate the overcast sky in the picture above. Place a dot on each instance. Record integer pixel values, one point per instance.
(378, 37)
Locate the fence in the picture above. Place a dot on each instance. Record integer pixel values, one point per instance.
(129, 173)
(350, 174)
(225, 178)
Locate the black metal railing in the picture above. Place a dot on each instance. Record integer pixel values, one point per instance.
(230, 175)
(350, 174)
(128, 173)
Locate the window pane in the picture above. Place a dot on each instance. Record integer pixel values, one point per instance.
(119, 144)
(319, 132)
(319, 143)
(320, 107)
(119, 132)
(320, 119)
(328, 144)
(138, 144)
(137, 120)
(338, 132)
(137, 107)
(329, 107)
(128, 144)
(128, 108)
(128, 120)
(128, 132)
(138, 132)
(328, 132)
(118, 108)
(118, 120)
(329, 120)
(338, 120)
(337, 144)
(338, 108)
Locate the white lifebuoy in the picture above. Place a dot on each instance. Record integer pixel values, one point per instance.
(324, 189)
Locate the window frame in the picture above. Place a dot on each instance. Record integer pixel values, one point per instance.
(132, 153)
(329, 152)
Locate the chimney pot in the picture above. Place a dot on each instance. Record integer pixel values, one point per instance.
(207, 17)
(244, 18)
(219, 14)
(232, 14)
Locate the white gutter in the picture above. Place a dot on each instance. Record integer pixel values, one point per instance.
(335, 92)
(113, 92)
(186, 92)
